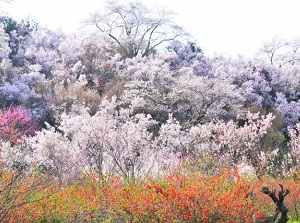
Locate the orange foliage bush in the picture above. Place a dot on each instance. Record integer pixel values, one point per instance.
(18, 189)
(194, 197)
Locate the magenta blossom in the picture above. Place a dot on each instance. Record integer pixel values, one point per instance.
(15, 123)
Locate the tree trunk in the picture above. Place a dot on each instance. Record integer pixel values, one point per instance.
(280, 208)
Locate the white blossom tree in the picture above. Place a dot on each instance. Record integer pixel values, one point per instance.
(200, 99)
(281, 52)
(107, 143)
(152, 87)
(135, 28)
(273, 50)
(4, 47)
(294, 145)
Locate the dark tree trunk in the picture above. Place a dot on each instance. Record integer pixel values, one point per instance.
(280, 208)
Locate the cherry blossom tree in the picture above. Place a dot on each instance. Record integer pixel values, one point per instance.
(273, 49)
(281, 52)
(115, 141)
(142, 113)
(289, 111)
(292, 56)
(135, 28)
(42, 49)
(4, 47)
(147, 83)
(112, 141)
(252, 78)
(108, 143)
(173, 137)
(200, 99)
(294, 145)
(233, 144)
(19, 32)
(153, 88)
(189, 55)
(26, 89)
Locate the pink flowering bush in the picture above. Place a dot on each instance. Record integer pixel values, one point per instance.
(16, 122)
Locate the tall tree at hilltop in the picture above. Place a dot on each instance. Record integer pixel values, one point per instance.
(135, 28)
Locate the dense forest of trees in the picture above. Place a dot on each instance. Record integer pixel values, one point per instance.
(132, 99)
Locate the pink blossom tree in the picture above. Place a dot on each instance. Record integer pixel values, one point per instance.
(107, 143)
(234, 144)
(15, 123)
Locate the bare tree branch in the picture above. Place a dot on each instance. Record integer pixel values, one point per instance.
(278, 200)
(135, 28)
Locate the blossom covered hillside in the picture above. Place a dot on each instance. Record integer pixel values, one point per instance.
(178, 88)
(75, 110)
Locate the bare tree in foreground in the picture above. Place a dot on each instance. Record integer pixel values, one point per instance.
(280, 207)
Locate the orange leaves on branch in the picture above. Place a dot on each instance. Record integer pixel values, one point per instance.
(221, 197)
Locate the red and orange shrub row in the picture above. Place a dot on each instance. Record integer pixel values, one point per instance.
(221, 197)
(19, 190)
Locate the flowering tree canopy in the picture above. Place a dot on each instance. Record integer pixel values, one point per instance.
(135, 28)
(15, 122)
(108, 104)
